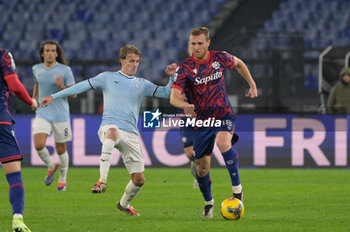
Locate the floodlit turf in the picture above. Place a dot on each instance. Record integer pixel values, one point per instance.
(275, 200)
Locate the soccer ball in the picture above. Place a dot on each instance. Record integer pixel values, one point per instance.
(232, 209)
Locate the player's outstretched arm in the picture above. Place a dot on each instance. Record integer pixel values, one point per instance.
(164, 91)
(177, 100)
(74, 89)
(244, 71)
(16, 86)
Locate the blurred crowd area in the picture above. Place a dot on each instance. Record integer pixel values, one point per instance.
(279, 40)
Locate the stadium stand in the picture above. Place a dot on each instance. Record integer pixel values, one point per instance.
(92, 29)
(281, 44)
(322, 23)
(319, 23)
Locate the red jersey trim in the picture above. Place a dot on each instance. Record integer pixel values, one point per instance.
(16, 184)
(176, 87)
(7, 159)
(7, 123)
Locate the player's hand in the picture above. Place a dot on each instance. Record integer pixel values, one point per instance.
(189, 110)
(46, 101)
(253, 93)
(59, 81)
(35, 105)
(171, 69)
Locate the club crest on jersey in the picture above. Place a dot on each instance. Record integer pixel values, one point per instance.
(216, 65)
(137, 84)
(195, 71)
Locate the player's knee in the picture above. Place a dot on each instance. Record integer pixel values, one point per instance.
(140, 181)
(223, 145)
(39, 145)
(112, 134)
(202, 171)
(60, 150)
(189, 152)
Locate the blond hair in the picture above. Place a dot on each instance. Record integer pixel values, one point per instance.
(128, 49)
(199, 31)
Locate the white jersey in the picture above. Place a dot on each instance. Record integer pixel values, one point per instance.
(57, 111)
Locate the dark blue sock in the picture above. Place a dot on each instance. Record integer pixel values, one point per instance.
(205, 186)
(16, 191)
(231, 161)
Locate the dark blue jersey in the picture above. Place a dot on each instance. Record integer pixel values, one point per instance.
(7, 70)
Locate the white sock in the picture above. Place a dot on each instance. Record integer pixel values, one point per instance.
(237, 188)
(63, 163)
(130, 192)
(211, 202)
(106, 158)
(46, 158)
(18, 215)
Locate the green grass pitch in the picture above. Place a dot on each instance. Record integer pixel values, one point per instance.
(275, 200)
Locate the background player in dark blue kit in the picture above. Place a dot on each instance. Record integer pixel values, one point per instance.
(10, 156)
(202, 76)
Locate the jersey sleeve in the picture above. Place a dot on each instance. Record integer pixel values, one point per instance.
(158, 91)
(9, 71)
(97, 82)
(228, 60)
(148, 88)
(18, 89)
(72, 90)
(181, 80)
(8, 64)
(69, 78)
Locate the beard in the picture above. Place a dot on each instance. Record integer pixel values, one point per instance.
(200, 55)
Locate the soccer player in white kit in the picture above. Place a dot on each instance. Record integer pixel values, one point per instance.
(122, 95)
(51, 76)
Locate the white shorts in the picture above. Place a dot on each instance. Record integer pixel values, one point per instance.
(129, 146)
(61, 130)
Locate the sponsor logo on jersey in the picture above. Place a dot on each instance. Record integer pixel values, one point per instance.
(205, 80)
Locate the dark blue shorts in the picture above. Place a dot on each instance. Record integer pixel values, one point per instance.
(9, 150)
(204, 138)
(186, 136)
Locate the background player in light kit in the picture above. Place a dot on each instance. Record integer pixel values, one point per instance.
(52, 75)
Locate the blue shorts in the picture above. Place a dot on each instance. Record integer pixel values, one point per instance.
(9, 150)
(186, 136)
(204, 138)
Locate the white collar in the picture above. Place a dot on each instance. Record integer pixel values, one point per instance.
(127, 76)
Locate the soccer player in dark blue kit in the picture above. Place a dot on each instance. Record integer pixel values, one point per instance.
(10, 156)
(203, 76)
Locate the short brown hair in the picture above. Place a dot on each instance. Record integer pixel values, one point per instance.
(128, 49)
(200, 30)
(60, 53)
